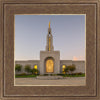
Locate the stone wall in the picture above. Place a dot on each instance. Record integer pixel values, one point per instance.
(80, 65)
(28, 62)
(64, 62)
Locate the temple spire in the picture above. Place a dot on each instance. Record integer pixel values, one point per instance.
(49, 24)
(49, 45)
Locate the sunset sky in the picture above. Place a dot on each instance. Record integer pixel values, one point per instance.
(68, 36)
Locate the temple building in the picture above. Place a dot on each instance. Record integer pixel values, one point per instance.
(50, 62)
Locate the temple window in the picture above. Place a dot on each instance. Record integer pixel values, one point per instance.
(63, 67)
(35, 67)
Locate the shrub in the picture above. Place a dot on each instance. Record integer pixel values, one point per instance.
(45, 74)
(60, 74)
(34, 71)
(53, 74)
(22, 74)
(71, 68)
(18, 67)
(66, 70)
(80, 73)
(28, 68)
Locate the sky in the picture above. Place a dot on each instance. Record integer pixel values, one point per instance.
(68, 36)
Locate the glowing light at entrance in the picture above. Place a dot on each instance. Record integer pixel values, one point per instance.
(35, 67)
(63, 67)
(49, 66)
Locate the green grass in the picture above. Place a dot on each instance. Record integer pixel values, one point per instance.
(24, 76)
(66, 75)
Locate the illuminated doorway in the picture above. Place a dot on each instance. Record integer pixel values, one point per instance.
(49, 66)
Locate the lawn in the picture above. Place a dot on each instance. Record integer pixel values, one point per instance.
(67, 75)
(64, 75)
(24, 76)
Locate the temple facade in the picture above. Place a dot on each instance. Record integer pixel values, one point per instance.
(50, 62)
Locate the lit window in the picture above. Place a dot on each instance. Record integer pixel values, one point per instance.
(63, 67)
(35, 67)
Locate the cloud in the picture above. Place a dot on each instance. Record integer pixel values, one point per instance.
(75, 58)
(78, 58)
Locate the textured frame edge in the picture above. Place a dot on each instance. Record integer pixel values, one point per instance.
(9, 37)
(1, 48)
(47, 98)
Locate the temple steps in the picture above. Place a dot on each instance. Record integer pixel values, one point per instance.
(49, 77)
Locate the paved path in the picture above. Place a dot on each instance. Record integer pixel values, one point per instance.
(69, 81)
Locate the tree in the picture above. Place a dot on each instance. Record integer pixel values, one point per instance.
(34, 71)
(72, 68)
(28, 68)
(18, 67)
(66, 70)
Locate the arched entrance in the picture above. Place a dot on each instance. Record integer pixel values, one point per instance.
(49, 65)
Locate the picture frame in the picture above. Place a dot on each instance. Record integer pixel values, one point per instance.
(8, 8)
